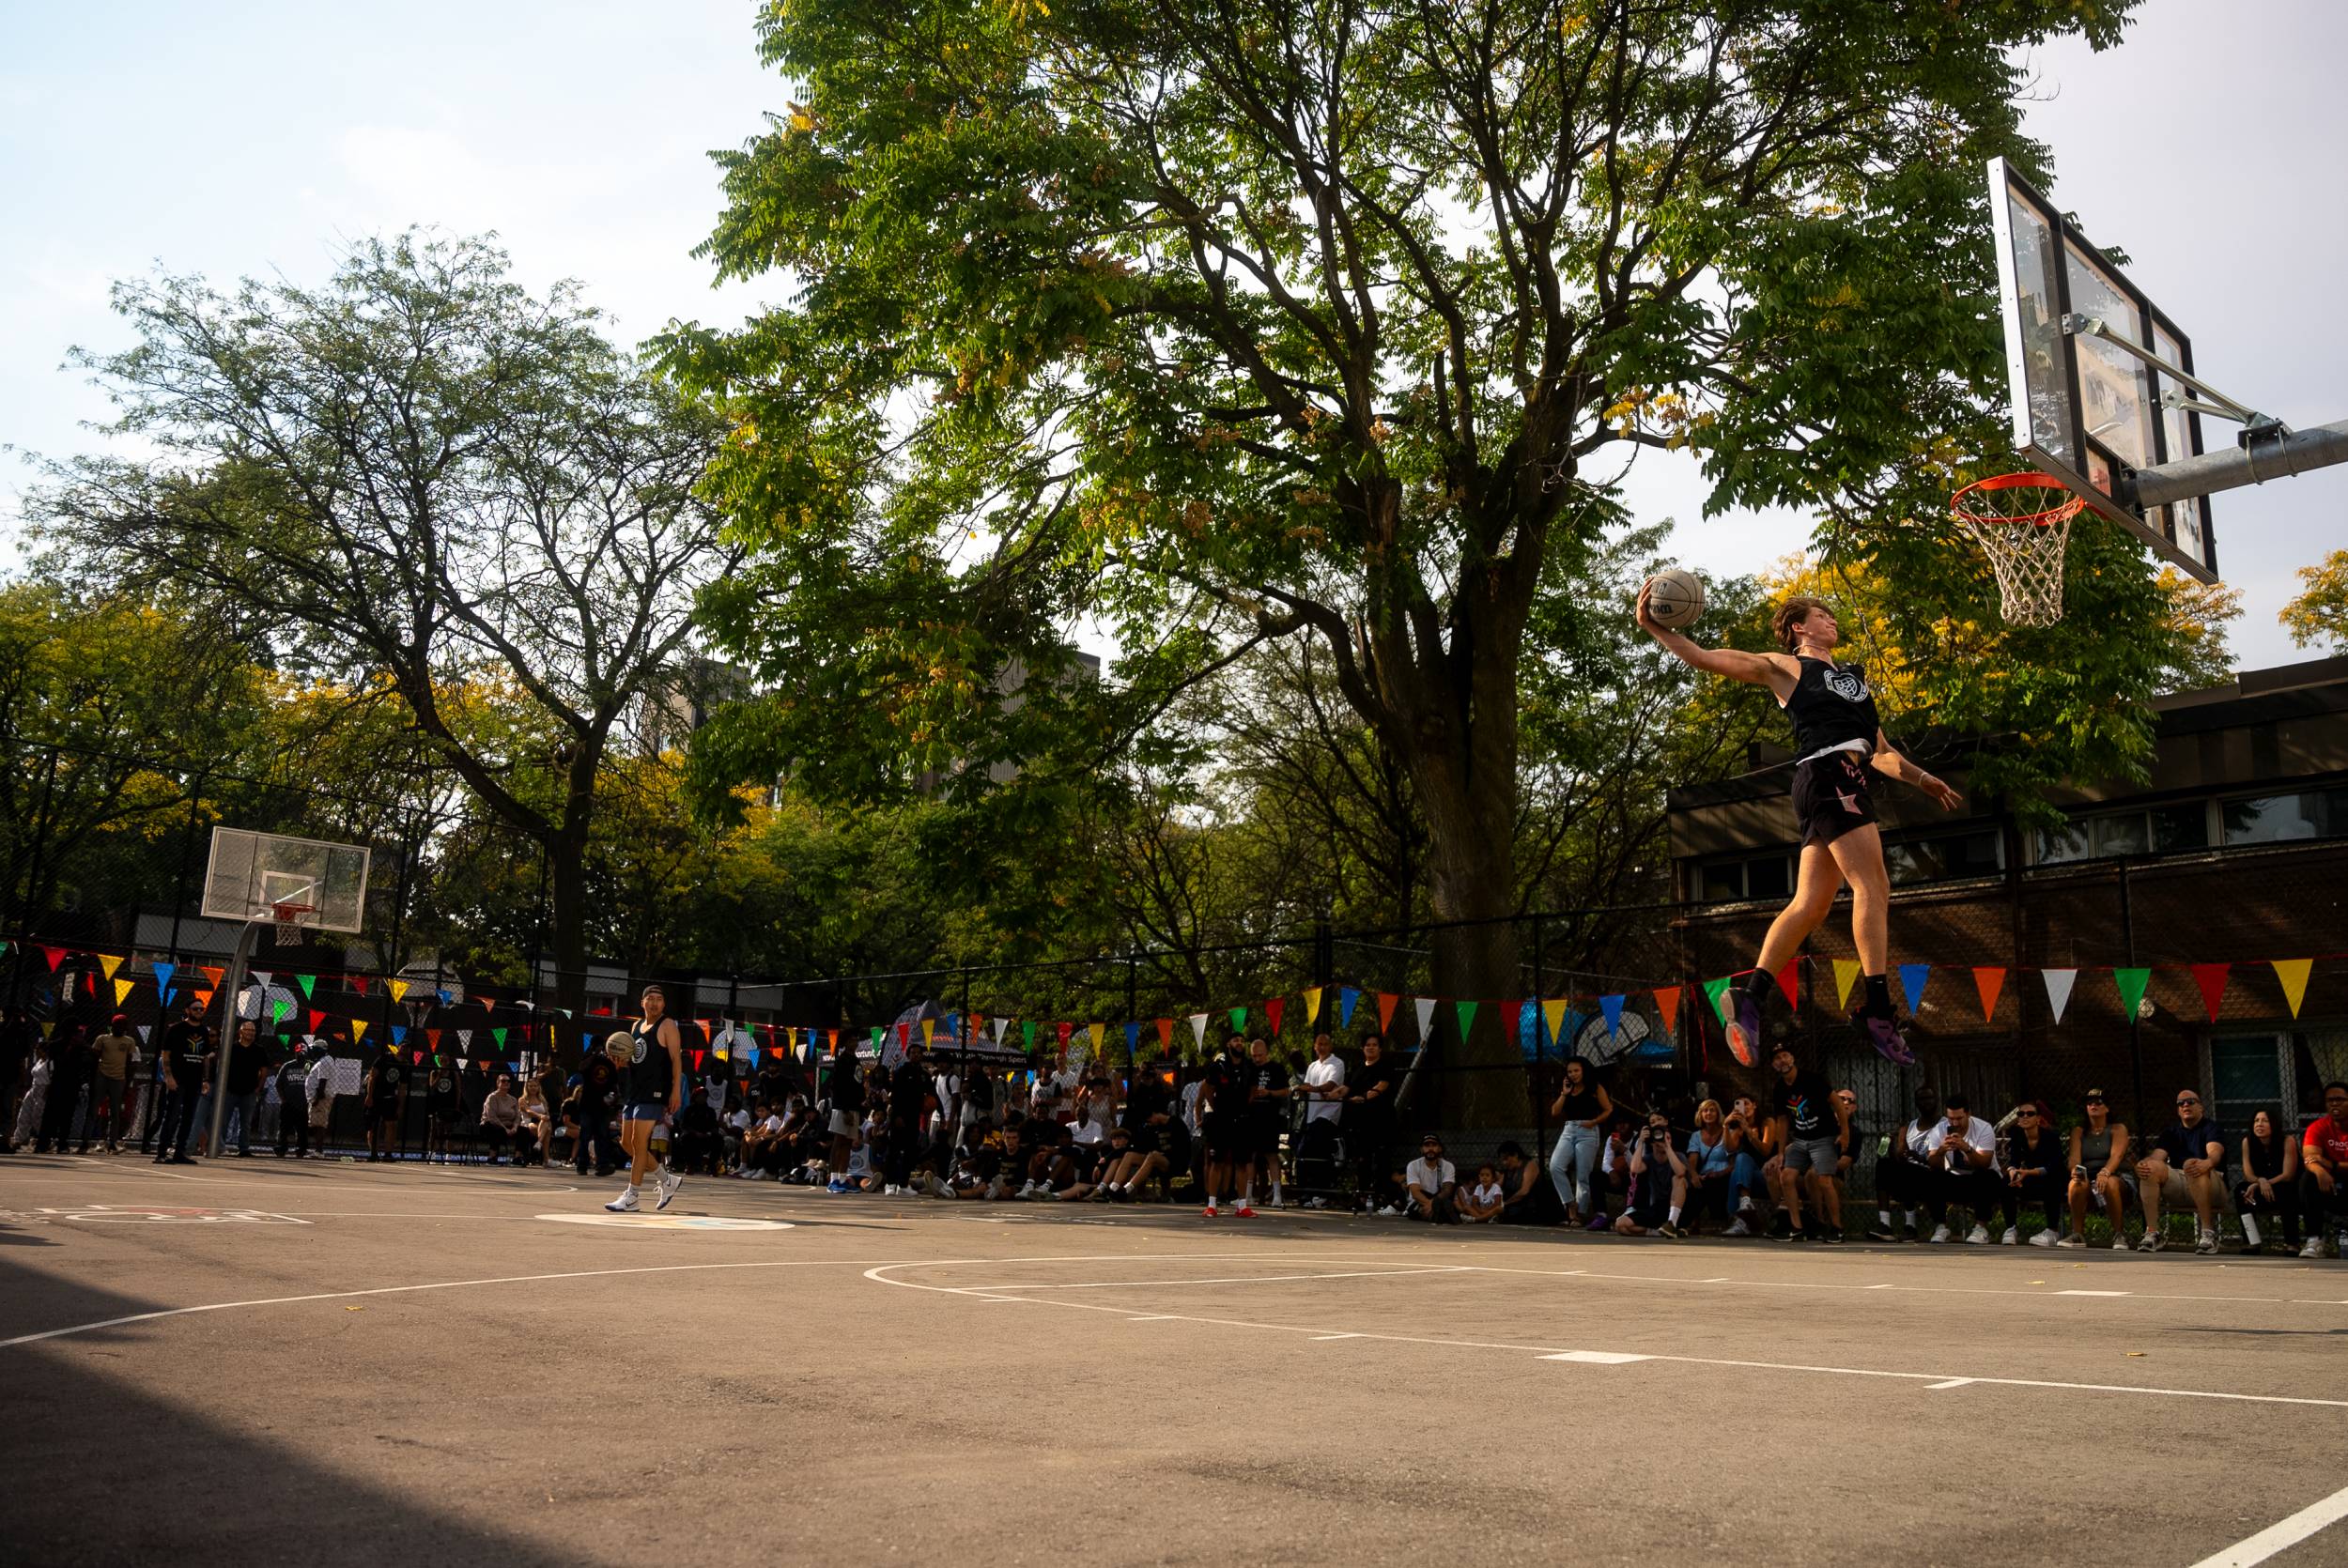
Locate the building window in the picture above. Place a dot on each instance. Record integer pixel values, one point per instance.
(2249, 1073)
(2156, 830)
(2285, 818)
(1728, 881)
(1944, 856)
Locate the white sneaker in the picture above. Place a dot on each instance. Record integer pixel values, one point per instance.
(669, 1183)
(2072, 1242)
(2012, 1236)
(624, 1202)
(1389, 1212)
(2045, 1238)
(2314, 1248)
(1978, 1237)
(1940, 1233)
(1739, 1227)
(2207, 1244)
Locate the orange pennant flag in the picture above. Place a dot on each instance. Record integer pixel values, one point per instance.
(1989, 981)
(1667, 1002)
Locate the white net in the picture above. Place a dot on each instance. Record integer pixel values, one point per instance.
(2022, 523)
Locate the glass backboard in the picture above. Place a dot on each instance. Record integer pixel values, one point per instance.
(251, 875)
(2084, 410)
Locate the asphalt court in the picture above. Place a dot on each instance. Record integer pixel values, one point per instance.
(444, 1358)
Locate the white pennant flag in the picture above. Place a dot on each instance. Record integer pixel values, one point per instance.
(1426, 1009)
(143, 1028)
(263, 976)
(1198, 1030)
(464, 1037)
(2058, 982)
(999, 1024)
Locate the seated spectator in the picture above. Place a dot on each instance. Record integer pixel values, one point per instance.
(2270, 1181)
(1963, 1154)
(1903, 1173)
(1757, 1166)
(2102, 1174)
(696, 1145)
(2187, 1165)
(2036, 1172)
(2323, 1176)
(1481, 1204)
(501, 1122)
(1610, 1184)
(1432, 1184)
(537, 1119)
(738, 1121)
(766, 1151)
(1129, 1168)
(863, 1175)
(1528, 1197)
(1658, 1183)
(1710, 1163)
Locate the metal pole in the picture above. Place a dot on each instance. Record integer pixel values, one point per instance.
(2230, 467)
(180, 886)
(2135, 1022)
(228, 1031)
(1541, 1022)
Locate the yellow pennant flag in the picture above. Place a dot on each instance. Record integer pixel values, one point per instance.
(1312, 1004)
(122, 990)
(358, 1030)
(399, 990)
(2293, 973)
(1845, 977)
(929, 1032)
(109, 962)
(1554, 1010)
(1096, 1030)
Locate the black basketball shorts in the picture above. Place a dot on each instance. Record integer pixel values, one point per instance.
(1830, 797)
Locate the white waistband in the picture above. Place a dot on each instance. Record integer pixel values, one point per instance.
(1862, 748)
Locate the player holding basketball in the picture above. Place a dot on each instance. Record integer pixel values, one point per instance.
(1836, 729)
(655, 1087)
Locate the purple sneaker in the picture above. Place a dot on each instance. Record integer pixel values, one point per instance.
(1598, 1223)
(1883, 1033)
(1744, 1028)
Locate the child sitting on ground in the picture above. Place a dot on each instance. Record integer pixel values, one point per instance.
(1482, 1203)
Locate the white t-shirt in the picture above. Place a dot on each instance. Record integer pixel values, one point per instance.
(1487, 1196)
(1430, 1178)
(1190, 1106)
(740, 1120)
(1322, 1072)
(1978, 1134)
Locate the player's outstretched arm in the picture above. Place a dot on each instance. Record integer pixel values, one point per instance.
(1774, 670)
(1892, 764)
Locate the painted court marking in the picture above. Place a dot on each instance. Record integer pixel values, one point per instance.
(2282, 1534)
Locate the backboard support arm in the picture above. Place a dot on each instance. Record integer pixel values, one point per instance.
(2257, 460)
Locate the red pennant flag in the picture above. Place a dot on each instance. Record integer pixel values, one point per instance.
(1386, 999)
(1271, 1009)
(1789, 981)
(1065, 1030)
(433, 1036)
(317, 1018)
(1667, 1002)
(603, 1011)
(1988, 981)
(57, 956)
(2211, 978)
(699, 1058)
(419, 1057)
(487, 1002)
(1166, 1033)
(359, 984)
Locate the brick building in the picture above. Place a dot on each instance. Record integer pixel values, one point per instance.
(2235, 851)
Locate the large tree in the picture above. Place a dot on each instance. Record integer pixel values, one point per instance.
(1253, 319)
(423, 475)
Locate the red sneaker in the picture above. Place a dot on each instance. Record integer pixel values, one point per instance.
(1245, 1212)
(1212, 1213)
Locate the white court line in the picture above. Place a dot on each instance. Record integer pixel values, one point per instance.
(406, 1289)
(1231, 1279)
(2281, 1534)
(883, 1274)
(2091, 1293)
(1951, 1383)
(1905, 1289)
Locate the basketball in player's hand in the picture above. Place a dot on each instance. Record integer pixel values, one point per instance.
(1673, 599)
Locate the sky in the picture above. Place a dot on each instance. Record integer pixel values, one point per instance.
(249, 137)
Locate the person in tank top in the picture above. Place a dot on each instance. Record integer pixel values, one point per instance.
(2101, 1173)
(1837, 742)
(652, 1087)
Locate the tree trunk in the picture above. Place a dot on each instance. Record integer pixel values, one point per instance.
(566, 863)
(1481, 1082)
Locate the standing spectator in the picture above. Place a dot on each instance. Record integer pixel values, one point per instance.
(293, 1104)
(2324, 1175)
(1811, 1130)
(1482, 1203)
(908, 1086)
(321, 1087)
(181, 1055)
(386, 1097)
(1903, 1173)
(2187, 1164)
(1323, 1093)
(1658, 1186)
(1222, 1124)
(502, 1130)
(597, 1101)
(443, 1104)
(1528, 1197)
(18, 1039)
(844, 1091)
(1369, 1128)
(73, 1064)
(2101, 1173)
(777, 1083)
(33, 1110)
(2270, 1181)
(2035, 1172)
(110, 1084)
(1268, 1090)
(1431, 1183)
(977, 1095)
(1963, 1152)
(1581, 1111)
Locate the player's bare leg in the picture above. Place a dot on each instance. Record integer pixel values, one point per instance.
(1819, 878)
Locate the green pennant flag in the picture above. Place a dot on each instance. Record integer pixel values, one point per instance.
(1238, 1020)
(1713, 991)
(1467, 1017)
(876, 1034)
(277, 1013)
(309, 984)
(2131, 983)
(499, 1035)
(1028, 1029)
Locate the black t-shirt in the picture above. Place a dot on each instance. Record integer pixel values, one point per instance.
(2267, 1159)
(439, 1093)
(1143, 1099)
(1226, 1084)
(184, 1045)
(2048, 1155)
(1807, 1104)
(1262, 1083)
(845, 1087)
(245, 1063)
(907, 1087)
(598, 1077)
(775, 1086)
(1362, 1079)
(293, 1081)
(389, 1075)
(2181, 1144)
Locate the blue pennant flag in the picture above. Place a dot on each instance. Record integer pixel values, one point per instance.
(163, 972)
(1611, 1007)
(1132, 1041)
(1347, 997)
(1529, 1030)
(399, 1033)
(443, 995)
(1912, 978)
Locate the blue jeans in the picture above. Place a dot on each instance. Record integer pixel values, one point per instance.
(1744, 1182)
(1570, 1165)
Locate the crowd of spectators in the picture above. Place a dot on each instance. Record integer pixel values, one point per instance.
(1240, 1130)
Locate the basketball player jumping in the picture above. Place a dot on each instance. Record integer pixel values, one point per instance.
(1836, 729)
(655, 1086)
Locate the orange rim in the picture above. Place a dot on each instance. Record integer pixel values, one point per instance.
(2062, 513)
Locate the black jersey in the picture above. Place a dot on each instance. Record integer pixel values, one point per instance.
(648, 1066)
(1829, 707)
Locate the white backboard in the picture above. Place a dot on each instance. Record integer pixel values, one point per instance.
(251, 873)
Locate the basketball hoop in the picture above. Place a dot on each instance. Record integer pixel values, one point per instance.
(288, 916)
(2022, 522)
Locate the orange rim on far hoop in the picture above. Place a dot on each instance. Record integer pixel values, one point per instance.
(289, 915)
(2009, 517)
